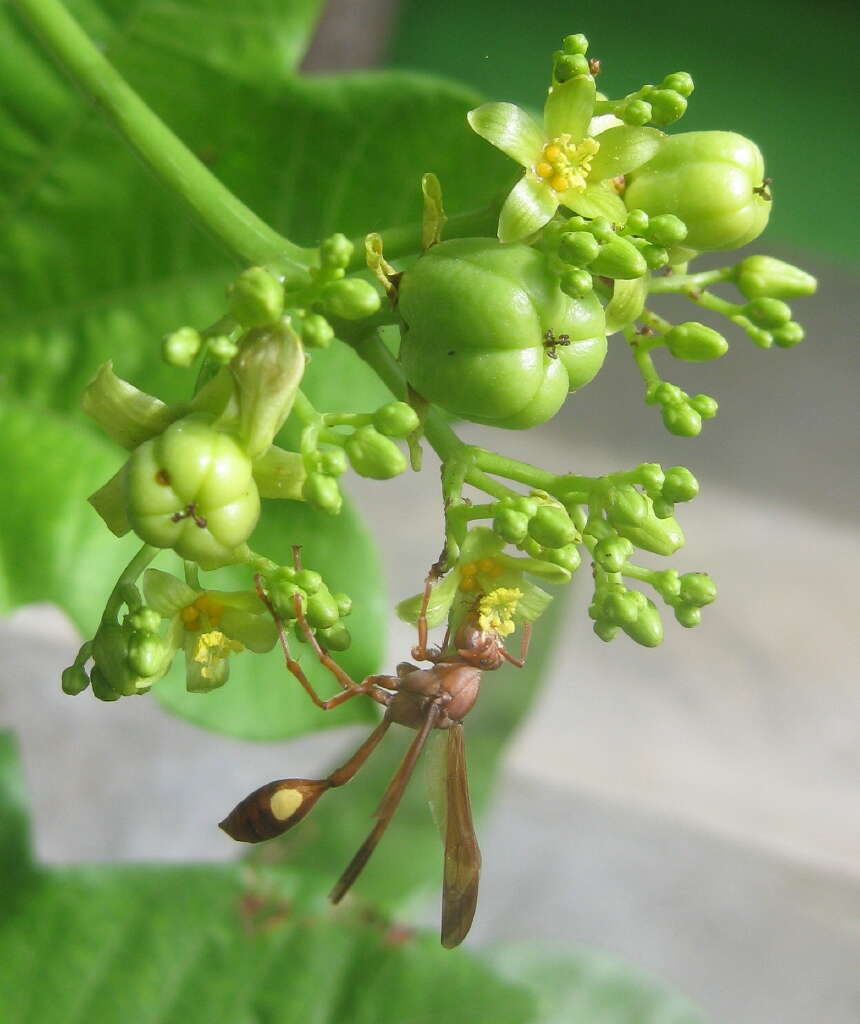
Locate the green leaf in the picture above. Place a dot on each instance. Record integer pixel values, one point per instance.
(261, 699)
(205, 945)
(574, 987)
(53, 545)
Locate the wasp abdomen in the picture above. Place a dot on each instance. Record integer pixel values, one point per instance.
(272, 809)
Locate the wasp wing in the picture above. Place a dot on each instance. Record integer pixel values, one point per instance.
(462, 855)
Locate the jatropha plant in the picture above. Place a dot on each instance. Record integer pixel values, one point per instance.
(501, 317)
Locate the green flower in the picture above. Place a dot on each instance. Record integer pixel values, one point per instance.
(210, 625)
(565, 165)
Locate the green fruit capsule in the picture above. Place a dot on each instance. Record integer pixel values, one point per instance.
(679, 484)
(323, 493)
(373, 455)
(478, 319)
(322, 609)
(697, 588)
(255, 298)
(334, 638)
(350, 298)
(191, 489)
(708, 180)
(397, 419)
(551, 527)
(766, 277)
(511, 525)
(695, 343)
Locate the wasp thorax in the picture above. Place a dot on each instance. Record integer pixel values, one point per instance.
(272, 809)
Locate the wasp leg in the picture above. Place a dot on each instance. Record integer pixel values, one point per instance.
(525, 639)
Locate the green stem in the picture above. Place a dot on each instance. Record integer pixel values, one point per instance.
(645, 364)
(129, 575)
(689, 282)
(238, 228)
(511, 469)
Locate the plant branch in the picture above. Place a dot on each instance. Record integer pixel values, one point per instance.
(247, 237)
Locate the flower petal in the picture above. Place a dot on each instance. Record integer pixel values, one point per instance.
(509, 129)
(596, 201)
(569, 107)
(165, 593)
(256, 632)
(529, 206)
(623, 149)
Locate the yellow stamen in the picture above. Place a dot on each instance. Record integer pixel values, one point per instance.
(487, 564)
(559, 183)
(213, 647)
(553, 152)
(469, 585)
(496, 610)
(565, 165)
(190, 617)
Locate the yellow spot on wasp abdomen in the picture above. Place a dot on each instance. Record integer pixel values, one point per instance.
(285, 803)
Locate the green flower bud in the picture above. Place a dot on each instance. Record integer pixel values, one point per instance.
(612, 552)
(569, 65)
(601, 228)
(651, 476)
(668, 583)
(662, 536)
(655, 256)
(310, 582)
(679, 484)
(637, 222)
(75, 680)
(688, 615)
(695, 343)
(620, 259)
(180, 347)
(578, 248)
(764, 276)
(144, 653)
(221, 348)
(647, 628)
(255, 298)
(598, 528)
(333, 462)
(397, 419)
(625, 506)
(528, 506)
(680, 82)
(635, 112)
(705, 406)
(350, 298)
(621, 607)
(551, 527)
(336, 251)
(316, 331)
(323, 493)
(322, 609)
(267, 372)
(788, 335)
(374, 455)
(568, 557)
(334, 638)
(669, 394)
(697, 588)
(101, 687)
(146, 619)
(662, 508)
(576, 283)
(576, 43)
(667, 106)
(511, 525)
(605, 630)
(682, 420)
(282, 594)
(344, 604)
(768, 313)
(667, 230)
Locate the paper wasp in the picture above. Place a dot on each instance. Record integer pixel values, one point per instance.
(422, 699)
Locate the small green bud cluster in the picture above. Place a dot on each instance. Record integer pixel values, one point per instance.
(127, 657)
(570, 61)
(662, 104)
(615, 607)
(255, 298)
(350, 298)
(293, 590)
(592, 248)
(654, 237)
(682, 414)
(540, 526)
(771, 323)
